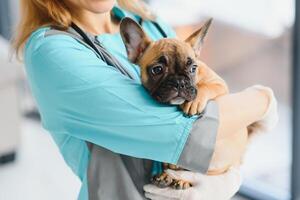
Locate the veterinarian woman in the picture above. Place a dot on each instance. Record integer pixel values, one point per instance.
(87, 93)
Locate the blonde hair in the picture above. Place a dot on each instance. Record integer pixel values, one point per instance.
(38, 13)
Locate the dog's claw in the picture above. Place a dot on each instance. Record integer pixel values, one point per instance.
(162, 180)
(180, 185)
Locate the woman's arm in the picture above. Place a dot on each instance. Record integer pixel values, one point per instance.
(80, 95)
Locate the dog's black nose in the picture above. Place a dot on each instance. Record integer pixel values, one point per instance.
(180, 83)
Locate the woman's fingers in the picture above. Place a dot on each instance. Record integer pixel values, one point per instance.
(184, 175)
(163, 192)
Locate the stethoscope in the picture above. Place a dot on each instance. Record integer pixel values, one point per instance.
(104, 54)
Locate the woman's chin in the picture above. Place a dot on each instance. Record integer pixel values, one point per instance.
(100, 6)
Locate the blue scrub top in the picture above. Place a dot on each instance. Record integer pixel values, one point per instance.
(81, 98)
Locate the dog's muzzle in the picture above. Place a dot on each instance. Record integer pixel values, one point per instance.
(175, 90)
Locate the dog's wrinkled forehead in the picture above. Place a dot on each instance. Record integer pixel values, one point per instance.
(175, 52)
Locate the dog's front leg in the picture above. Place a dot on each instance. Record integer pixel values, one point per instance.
(209, 86)
(205, 92)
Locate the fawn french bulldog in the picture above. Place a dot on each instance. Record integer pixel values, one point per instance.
(171, 69)
(172, 72)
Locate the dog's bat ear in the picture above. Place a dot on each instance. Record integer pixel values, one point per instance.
(135, 39)
(197, 38)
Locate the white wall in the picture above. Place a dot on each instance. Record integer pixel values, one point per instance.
(14, 8)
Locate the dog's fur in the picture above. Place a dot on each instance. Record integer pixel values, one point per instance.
(173, 73)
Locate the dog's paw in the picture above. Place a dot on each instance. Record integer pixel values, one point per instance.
(270, 118)
(194, 107)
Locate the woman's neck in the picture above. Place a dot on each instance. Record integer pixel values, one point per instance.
(95, 24)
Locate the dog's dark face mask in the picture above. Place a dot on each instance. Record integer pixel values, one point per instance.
(168, 66)
(171, 76)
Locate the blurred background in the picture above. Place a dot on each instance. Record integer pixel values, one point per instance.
(249, 43)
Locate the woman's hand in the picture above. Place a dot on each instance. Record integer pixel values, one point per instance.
(205, 187)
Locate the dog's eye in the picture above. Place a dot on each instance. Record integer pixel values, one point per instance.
(193, 69)
(189, 61)
(157, 69)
